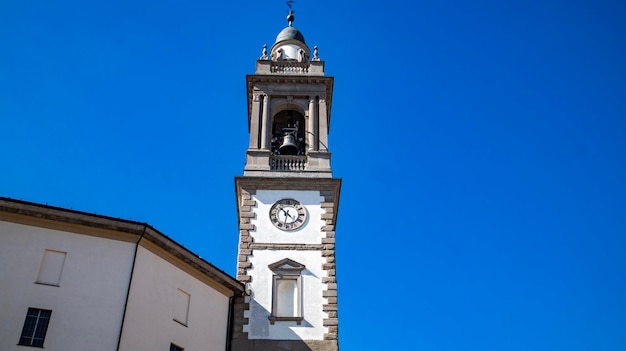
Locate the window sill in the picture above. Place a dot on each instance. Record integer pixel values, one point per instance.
(26, 345)
(274, 319)
(181, 323)
(47, 284)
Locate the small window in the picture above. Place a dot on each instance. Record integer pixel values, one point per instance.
(51, 267)
(176, 348)
(35, 327)
(286, 299)
(287, 291)
(181, 312)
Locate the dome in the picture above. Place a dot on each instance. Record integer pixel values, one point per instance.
(289, 33)
(290, 45)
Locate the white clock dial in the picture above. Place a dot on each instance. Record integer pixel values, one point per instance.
(287, 214)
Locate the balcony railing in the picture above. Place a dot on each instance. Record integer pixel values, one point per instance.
(287, 163)
(289, 67)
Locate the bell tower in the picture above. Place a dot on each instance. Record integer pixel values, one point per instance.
(289, 102)
(287, 205)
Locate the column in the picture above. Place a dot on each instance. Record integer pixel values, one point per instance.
(265, 128)
(312, 125)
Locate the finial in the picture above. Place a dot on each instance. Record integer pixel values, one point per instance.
(315, 54)
(290, 16)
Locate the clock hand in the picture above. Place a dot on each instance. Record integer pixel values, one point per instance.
(285, 212)
(288, 215)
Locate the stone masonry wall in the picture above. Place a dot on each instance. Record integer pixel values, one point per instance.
(240, 341)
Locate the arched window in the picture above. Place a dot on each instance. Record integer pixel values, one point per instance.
(288, 133)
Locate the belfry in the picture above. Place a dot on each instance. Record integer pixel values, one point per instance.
(287, 204)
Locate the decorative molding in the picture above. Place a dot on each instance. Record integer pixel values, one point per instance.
(275, 246)
(274, 319)
(286, 266)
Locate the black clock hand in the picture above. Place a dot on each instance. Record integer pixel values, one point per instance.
(285, 212)
(288, 215)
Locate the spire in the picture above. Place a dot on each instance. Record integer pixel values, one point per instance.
(290, 16)
(289, 44)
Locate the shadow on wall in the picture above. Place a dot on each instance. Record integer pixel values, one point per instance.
(260, 325)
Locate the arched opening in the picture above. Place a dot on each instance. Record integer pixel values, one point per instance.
(288, 133)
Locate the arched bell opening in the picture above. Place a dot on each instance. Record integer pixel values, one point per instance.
(288, 133)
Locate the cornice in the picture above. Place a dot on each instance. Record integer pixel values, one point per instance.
(270, 183)
(45, 214)
(290, 79)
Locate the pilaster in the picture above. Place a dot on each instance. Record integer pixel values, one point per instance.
(323, 124)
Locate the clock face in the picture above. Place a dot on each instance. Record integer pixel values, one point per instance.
(287, 214)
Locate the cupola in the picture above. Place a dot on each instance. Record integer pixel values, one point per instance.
(290, 45)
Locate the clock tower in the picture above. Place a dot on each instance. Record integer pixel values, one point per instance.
(287, 205)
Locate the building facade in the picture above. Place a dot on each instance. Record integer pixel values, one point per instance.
(78, 281)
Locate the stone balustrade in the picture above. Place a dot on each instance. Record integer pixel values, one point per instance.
(287, 163)
(290, 67)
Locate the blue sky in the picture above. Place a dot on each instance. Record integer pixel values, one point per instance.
(481, 145)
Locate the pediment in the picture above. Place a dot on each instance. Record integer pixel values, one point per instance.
(287, 265)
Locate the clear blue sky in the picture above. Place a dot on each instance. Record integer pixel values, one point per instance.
(482, 146)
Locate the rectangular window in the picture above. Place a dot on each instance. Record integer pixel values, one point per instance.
(286, 291)
(35, 327)
(286, 305)
(176, 348)
(181, 312)
(286, 298)
(51, 267)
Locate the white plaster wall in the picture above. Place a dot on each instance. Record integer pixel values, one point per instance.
(149, 321)
(259, 326)
(88, 305)
(290, 51)
(266, 232)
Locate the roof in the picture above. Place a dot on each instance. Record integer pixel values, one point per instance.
(142, 231)
(289, 33)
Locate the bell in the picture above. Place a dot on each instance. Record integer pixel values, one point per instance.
(289, 146)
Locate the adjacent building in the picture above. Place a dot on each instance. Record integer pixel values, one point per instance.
(78, 281)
